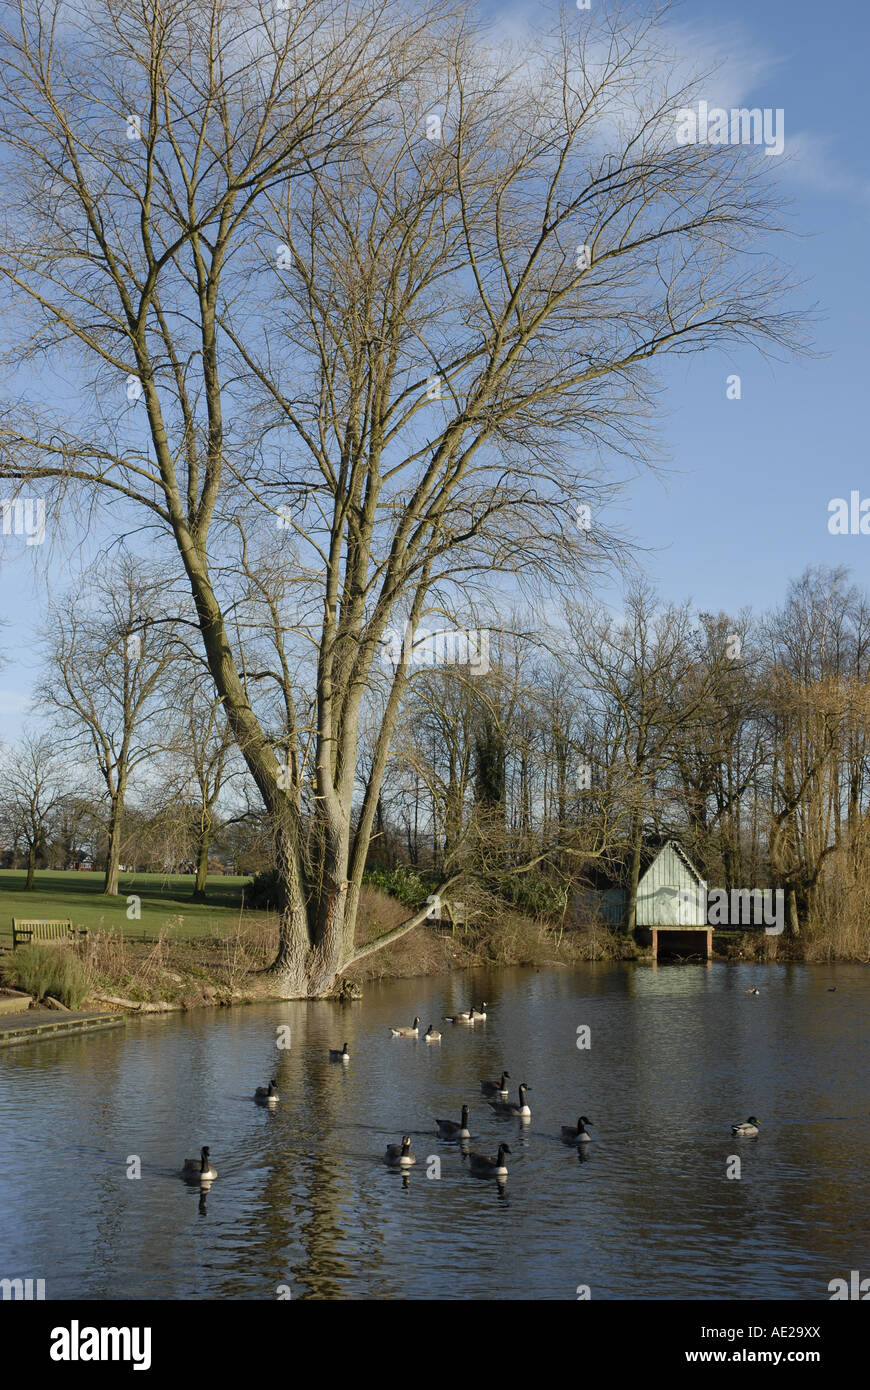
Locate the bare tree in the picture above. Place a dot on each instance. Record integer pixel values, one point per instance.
(817, 713)
(642, 675)
(338, 265)
(719, 759)
(32, 788)
(110, 652)
(201, 748)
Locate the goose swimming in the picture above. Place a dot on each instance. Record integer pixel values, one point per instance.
(507, 1107)
(496, 1088)
(484, 1167)
(407, 1032)
(399, 1155)
(199, 1169)
(454, 1129)
(578, 1135)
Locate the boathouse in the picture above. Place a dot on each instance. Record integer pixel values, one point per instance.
(672, 904)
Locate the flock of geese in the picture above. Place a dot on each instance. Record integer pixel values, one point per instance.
(496, 1092)
(201, 1170)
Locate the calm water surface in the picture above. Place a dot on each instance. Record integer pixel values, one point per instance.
(303, 1198)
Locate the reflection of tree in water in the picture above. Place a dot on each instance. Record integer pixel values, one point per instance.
(306, 1231)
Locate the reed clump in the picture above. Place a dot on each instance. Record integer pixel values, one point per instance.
(52, 970)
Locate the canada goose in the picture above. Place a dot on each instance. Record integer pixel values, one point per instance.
(832, 989)
(200, 1169)
(496, 1088)
(578, 1135)
(479, 1015)
(507, 1107)
(339, 1054)
(751, 1126)
(483, 1167)
(454, 1129)
(267, 1095)
(406, 1032)
(466, 1017)
(399, 1155)
(431, 1035)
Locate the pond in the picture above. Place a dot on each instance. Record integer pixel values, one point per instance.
(655, 1207)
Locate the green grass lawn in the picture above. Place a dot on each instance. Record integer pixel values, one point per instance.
(164, 900)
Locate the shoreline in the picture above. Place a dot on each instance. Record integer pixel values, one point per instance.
(121, 975)
(220, 998)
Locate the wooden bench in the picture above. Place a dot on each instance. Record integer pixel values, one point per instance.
(27, 930)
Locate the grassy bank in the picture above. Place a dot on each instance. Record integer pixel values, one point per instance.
(185, 954)
(164, 903)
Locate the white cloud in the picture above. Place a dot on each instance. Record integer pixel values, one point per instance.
(812, 163)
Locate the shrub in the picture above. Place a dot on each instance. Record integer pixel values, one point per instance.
(403, 883)
(50, 970)
(264, 892)
(533, 895)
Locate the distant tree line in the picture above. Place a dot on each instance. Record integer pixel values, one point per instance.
(744, 737)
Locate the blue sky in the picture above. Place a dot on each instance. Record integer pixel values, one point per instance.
(746, 506)
(743, 506)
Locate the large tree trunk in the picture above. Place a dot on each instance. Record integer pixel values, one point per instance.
(113, 855)
(31, 866)
(794, 929)
(311, 935)
(203, 844)
(634, 871)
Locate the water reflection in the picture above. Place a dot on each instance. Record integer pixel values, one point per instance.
(304, 1200)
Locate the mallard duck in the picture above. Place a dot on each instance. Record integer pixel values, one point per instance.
(496, 1088)
(406, 1032)
(399, 1155)
(454, 1129)
(466, 1017)
(431, 1035)
(200, 1169)
(751, 1126)
(508, 1107)
(479, 1015)
(483, 1167)
(267, 1095)
(578, 1135)
(337, 1054)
